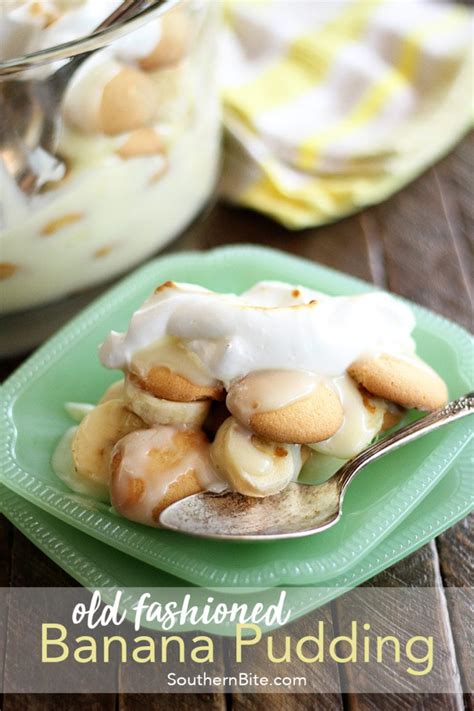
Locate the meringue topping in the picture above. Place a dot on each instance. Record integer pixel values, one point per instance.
(232, 336)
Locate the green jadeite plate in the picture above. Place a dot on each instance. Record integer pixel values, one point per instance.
(67, 368)
(96, 565)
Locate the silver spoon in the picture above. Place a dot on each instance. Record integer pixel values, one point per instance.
(300, 509)
(31, 109)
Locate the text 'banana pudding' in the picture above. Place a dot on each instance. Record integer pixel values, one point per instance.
(242, 392)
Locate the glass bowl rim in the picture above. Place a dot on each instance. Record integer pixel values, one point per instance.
(86, 43)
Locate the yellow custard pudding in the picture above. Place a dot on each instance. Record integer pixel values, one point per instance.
(138, 151)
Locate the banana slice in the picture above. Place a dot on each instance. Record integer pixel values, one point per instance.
(158, 411)
(128, 102)
(63, 466)
(97, 435)
(153, 468)
(319, 468)
(174, 43)
(251, 465)
(363, 419)
(113, 392)
(78, 410)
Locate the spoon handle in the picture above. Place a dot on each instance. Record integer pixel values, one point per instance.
(452, 411)
(121, 13)
(126, 10)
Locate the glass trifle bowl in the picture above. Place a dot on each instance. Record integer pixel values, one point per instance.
(136, 158)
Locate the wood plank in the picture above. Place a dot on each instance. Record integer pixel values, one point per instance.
(8, 365)
(322, 677)
(456, 546)
(423, 233)
(341, 245)
(6, 539)
(421, 569)
(456, 555)
(140, 677)
(59, 702)
(456, 184)
(172, 702)
(287, 702)
(31, 568)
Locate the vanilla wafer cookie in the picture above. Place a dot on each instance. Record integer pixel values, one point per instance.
(294, 407)
(159, 411)
(162, 382)
(407, 382)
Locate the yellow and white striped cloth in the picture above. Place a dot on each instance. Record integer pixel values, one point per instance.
(331, 105)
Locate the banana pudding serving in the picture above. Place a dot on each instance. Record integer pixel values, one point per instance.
(138, 148)
(243, 393)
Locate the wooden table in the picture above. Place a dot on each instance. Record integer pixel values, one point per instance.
(417, 244)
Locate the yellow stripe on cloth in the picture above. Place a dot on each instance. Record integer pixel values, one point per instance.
(318, 200)
(411, 111)
(376, 97)
(322, 199)
(316, 51)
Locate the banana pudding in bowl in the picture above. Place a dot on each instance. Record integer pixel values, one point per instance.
(243, 393)
(138, 148)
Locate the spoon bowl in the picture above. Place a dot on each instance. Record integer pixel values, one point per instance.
(294, 512)
(30, 121)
